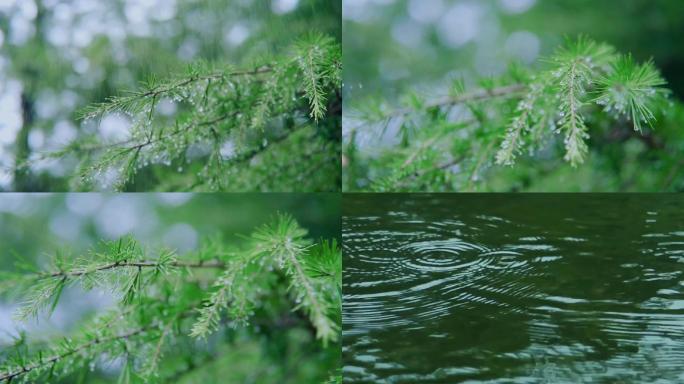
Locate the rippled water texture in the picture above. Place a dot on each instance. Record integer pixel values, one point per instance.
(513, 289)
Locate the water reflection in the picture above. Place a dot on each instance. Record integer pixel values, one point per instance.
(513, 289)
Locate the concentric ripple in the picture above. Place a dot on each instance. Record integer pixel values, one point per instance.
(445, 289)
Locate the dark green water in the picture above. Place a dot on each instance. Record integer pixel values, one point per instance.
(513, 288)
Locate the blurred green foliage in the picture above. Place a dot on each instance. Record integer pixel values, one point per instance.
(33, 225)
(646, 28)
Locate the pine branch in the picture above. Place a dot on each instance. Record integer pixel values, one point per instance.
(155, 299)
(140, 264)
(313, 87)
(217, 109)
(514, 141)
(281, 245)
(630, 90)
(44, 295)
(10, 375)
(325, 330)
(123, 254)
(481, 94)
(128, 104)
(251, 154)
(230, 293)
(476, 95)
(151, 366)
(285, 242)
(318, 71)
(571, 120)
(92, 338)
(533, 105)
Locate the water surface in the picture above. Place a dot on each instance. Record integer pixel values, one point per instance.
(513, 288)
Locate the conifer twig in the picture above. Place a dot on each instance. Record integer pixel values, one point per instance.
(478, 94)
(274, 261)
(214, 76)
(551, 101)
(317, 309)
(240, 109)
(138, 264)
(9, 376)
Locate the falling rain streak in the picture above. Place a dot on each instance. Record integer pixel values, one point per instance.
(514, 289)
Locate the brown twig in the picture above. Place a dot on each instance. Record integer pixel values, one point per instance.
(478, 94)
(53, 359)
(162, 90)
(136, 264)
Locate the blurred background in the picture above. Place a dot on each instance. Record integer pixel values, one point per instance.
(394, 46)
(34, 226)
(57, 56)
